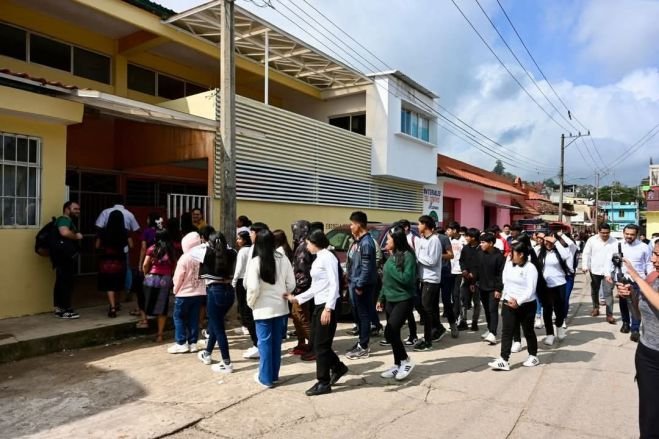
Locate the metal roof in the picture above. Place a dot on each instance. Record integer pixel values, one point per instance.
(287, 54)
(407, 80)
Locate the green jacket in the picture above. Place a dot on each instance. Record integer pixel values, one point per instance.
(397, 285)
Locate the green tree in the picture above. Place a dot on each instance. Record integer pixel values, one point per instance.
(499, 169)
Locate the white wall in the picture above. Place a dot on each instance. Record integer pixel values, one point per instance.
(396, 154)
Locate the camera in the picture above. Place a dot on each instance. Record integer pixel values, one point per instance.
(616, 258)
(618, 275)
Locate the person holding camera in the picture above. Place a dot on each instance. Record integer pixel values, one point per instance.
(646, 303)
(640, 255)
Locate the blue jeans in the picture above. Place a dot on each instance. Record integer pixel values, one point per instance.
(626, 306)
(361, 306)
(569, 286)
(269, 333)
(186, 319)
(220, 298)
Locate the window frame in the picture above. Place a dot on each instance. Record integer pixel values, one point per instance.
(156, 82)
(415, 124)
(27, 165)
(350, 117)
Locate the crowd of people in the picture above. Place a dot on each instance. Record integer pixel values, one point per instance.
(521, 281)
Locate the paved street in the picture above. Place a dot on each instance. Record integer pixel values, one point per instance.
(583, 388)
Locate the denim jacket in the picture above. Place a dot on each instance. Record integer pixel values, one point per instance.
(361, 266)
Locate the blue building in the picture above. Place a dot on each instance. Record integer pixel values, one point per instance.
(618, 215)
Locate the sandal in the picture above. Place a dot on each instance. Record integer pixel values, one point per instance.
(142, 324)
(112, 312)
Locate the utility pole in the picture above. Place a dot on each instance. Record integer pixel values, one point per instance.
(562, 171)
(597, 200)
(225, 114)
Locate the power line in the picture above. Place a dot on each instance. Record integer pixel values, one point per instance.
(532, 165)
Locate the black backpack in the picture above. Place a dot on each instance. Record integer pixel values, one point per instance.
(43, 242)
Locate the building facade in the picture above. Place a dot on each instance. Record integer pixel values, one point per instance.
(618, 215)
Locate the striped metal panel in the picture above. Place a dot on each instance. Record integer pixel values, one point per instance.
(285, 157)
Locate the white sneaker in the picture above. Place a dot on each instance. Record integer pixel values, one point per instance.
(405, 369)
(499, 364)
(203, 343)
(549, 340)
(204, 357)
(258, 381)
(531, 361)
(390, 373)
(538, 322)
(516, 347)
(222, 368)
(251, 353)
(204, 333)
(564, 325)
(561, 333)
(491, 338)
(245, 330)
(194, 348)
(485, 334)
(178, 349)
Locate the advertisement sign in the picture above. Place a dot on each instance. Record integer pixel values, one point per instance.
(433, 202)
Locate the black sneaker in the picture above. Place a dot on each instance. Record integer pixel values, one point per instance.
(635, 337)
(474, 327)
(625, 328)
(411, 341)
(384, 342)
(66, 314)
(422, 346)
(319, 389)
(455, 333)
(358, 353)
(376, 332)
(341, 370)
(352, 348)
(439, 334)
(463, 326)
(353, 331)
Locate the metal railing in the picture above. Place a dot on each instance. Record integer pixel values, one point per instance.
(178, 204)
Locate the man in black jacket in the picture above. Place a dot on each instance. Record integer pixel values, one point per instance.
(490, 284)
(469, 263)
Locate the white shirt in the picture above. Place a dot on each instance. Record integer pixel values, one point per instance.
(553, 272)
(499, 244)
(130, 223)
(412, 240)
(266, 300)
(639, 254)
(324, 281)
(429, 256)
(456, 246)
(573, 249)
(241, 265)
(597, 255)
(519, 282)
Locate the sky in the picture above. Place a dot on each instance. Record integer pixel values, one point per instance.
(600, 56)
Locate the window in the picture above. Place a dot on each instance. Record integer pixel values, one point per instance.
(50, 53)
(20, 160)
(415, 124)
(621, 214)
(91, 65)
(14, 42)
(157, 84)
(355, 123)
(55, 54)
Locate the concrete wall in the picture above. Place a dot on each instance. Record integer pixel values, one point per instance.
(469, 209)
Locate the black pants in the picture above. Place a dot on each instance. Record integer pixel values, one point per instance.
(397, 312)
(491, 308)
(322, 337)
(456, 296)
(245, 312)
(430, 301)
(64, 277)
(647, 379)
(416, 304)
(524, 315)
(469, 297)
(553, 301)
(447, 287)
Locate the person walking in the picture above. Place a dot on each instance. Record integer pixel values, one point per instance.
(63, 253)
(553, 261)
(217, 269)
(244, 244)
(446, 287)
(596, 256)
(158, 266)
(453, 232)
(362, 274)
(397, 298)
(302, 261)
(491, 284)
(111, 243)
(429, 272)
(269, 275)
(148, 238)
(324, 290)
(646, 300)
(470, 259)
(520, 279)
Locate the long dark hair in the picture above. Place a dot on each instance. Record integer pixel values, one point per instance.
(114, 235)
(174, 229)
(164, 246)
(186, 224)
(264, 248)
(401, 246)
(223, 263)
(282, 241)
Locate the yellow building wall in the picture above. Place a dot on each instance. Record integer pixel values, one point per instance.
(283, 215)
(652, 225)
(26, 278)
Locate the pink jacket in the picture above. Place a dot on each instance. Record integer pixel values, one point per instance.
(186, 275)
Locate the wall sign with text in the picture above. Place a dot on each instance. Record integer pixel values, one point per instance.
(433, 202)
